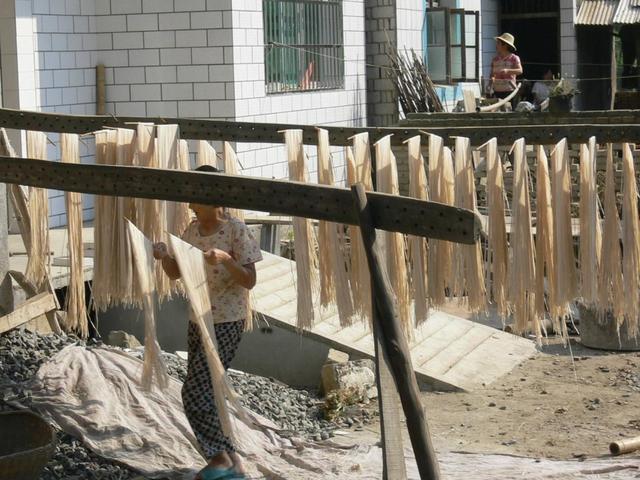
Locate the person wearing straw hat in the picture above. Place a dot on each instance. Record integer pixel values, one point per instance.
(505, 66)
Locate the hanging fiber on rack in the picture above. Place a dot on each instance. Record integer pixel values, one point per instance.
(38, 249)
(564, 258)
(334, 279)
(121, 260)
(498, 252)
(206, 154)
(545, 260)
(611, 297)
(441, 188)
(470, 275)
(590, 233)
(182, 214)
(154, 369)
(387, 182)
(191, 263)
(231, 167)
(304, 244)
(359, 170)
(522, 271)
(105, 244)
(76, 307)
(630, 242)
(151, 217)
(418, 188)
(170, 156)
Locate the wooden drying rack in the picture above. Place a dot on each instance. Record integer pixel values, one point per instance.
(369, 210)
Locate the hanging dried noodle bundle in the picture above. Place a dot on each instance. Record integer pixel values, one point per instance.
(206, 154)
(231, 167)
(441, 188)
(565, 264)
(75, 301)
(359, 171)
(38, 260)
(418, 245)
(306, 258)
(182, 215)
(387, 182)
(334, 280)
(191, 263)
(170, 157)
(610, 287)
(630, 242)
(469, 278)
(498, 253)
(545, 260)
(522, 272)
(103, 285)
(590, 234)
(154, 370)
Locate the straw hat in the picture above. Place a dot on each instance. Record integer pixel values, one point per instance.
(508, 39)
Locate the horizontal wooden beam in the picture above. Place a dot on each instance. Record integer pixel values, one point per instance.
(392, 213)
(243, 132)
(38, 305)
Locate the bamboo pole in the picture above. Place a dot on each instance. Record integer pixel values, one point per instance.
(626, 445)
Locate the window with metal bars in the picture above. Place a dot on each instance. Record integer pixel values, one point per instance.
(304, 47)
(452, 45)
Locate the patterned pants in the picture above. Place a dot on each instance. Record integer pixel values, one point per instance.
(197, 392)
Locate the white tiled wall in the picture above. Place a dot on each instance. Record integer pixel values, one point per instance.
(336, 107)
(568, 43)
(489, 29)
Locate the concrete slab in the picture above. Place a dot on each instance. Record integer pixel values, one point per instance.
(447, 351)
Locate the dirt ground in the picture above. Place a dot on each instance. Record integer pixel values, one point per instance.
(565, 403)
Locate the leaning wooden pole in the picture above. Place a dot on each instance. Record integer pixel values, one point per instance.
(394, 342)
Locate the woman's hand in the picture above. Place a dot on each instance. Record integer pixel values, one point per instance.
(216, 256)
(160, 251)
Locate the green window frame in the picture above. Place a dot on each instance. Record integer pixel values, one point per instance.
(304, 46)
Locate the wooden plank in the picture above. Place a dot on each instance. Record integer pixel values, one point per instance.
(392, 212)
(32, 308)
(469, 99)
(394, 343)
(53, 317)
(199, 129)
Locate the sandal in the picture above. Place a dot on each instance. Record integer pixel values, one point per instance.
(213, 473)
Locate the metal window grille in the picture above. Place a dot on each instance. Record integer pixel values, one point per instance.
(304, 47)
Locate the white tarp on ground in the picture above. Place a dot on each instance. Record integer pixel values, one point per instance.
(95, 395)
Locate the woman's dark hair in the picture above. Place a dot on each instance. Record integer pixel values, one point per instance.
(207, 168)
(509, 47)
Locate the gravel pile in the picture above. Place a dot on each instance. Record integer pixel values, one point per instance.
(21, 354)
(297, 412)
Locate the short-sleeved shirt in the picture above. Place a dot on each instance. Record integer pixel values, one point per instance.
(229, 300)
(504, 82)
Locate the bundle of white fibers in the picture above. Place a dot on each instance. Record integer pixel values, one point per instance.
(611, 295)
(75, 301)
(522, 271)
(387, 182)
(566, 276)
(206, 154)
(306, 258)
(469, 273)
(358, 267)
(545, 259)
(630, 242)
(442, 190)
(418, 188)
(334, 280)
(154, 370)
(231, 167)
(498, 252)
(38, 253)
(589, 225)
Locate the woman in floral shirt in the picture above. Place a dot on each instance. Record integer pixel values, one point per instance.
(230, 253)
(505, 66)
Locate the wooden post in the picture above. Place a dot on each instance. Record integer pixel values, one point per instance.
(614, 69)
(6, 298)
(394, 343)
(393, 464)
